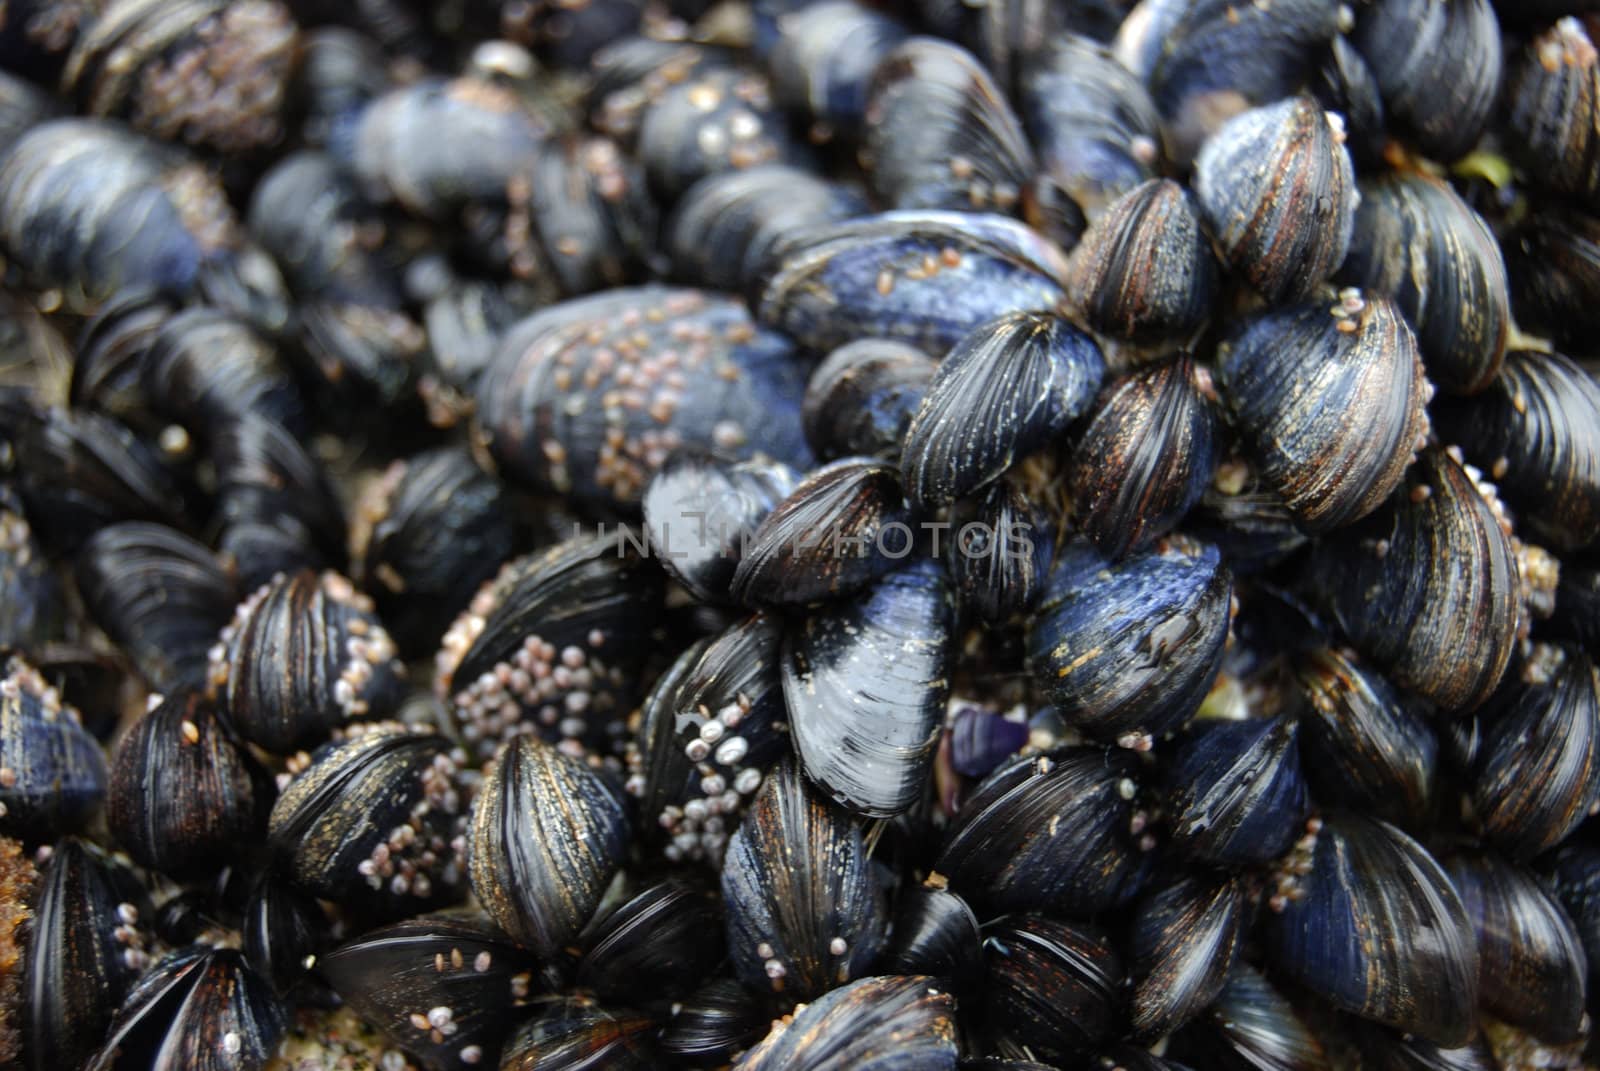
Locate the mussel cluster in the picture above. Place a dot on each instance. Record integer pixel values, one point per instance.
(799, 535)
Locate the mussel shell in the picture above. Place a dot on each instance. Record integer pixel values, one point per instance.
(1375, 927)
(1537, 429)
(982, 739)
(999, 553)
(1251, 1026)
(1363, 745)
(86, 947)
(940, 134)
(1130, 648)
(207, 368)
(701, 515)
(1553, 260)
(717, 119)
(1276, 187)
(1531, 797)
(1009, 387)
(548, 835)
(1050, 833)
(866, 683)
(719, 1019)
(184, 794)
(904, 1023)
(653, 948)
(395, 976)
(687, 767)
(32, 602)
(1552, 103)
(1417, 242)
(1236, 793)
(590, 213)
(1345, 84)
(575, 1034)
(52, 772)
(1438, 68)
(339, 71)
(935, 933)
(1145, 458)
(199, 1009)
(110, 354)
(1144, 271)
(1572, 874)
(824, 58)
(1051, 987)
(1383, 1049)
(1531, 963)
(841, 528)
(1183, 944)
(575, 620)
(1577, 611)
(861, 398)
(283, 930)
(1426, 588)
(804, 910)
(371, 823)
(162, 596)
(925, 278)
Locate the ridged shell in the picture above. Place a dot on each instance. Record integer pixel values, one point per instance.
(1184, 941)
(1553, 110)
(1051, 987)
(654, 948)
(701, 516)
(575, 1034)
(1251, 1025)
(999, 553)
(54, 772)
(1236, 795)
(1553, 260)
(861, 398)
(876, 1024)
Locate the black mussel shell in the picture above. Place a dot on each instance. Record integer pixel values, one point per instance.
(1427, 587)
(710, 730)
(1552, 103)
(1553, 260)
(1246, 520)
(701, 515)
(184, 793)
(1417, 242)
(940, 134)
(1235, 791)
(713, 120)
(110, 355)
(1532, 968)
(1059, 833)
(934, 933)
(1330, 403)
(162, 596)
(1144, 271)
(1375, 927)
(448, 989)
(1250, 1027)
(52, 772)
(1577, 610)
(861, 399)
(434, 529)
(1572, 875)
(590, 398)
(653, 948)
(199, 1009)
(465, 319)
(824, 58)
(372, 823)
(866, 683)
(303, 656)
(1124, 1057)
(904, 1023)
(719, 1019)
(33, 609)
(924, 278)
(1346, 85)
(841, 528)
(804, 910)
(1534, 772)
(590, 214)
(1146, 457)
(1276, 187)
(1383, 1049)
(283, 930)
(1052, 987)
(1006, 36)
(555, 644)
(548, 835)
(1536, 430)
(1008, 388)
(206, 368)
(999, 551)
(575, 1034)
(1096, 131)
(89, 941)
(1437, 66)
(340, 70)
(1363, 745)
(1183, 943)
(1127, 650)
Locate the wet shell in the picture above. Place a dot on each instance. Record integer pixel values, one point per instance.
(1008, 388)
(1051, 987)
(207, 369)
(52, 772)
(654, 948)
(32, 602)
(1376, 928)
(804, 909)
(548, 835)
(1184, 941)
(999, 553)
(715, 120)
(575, 1034)
(924, 278)
(1277, 190)
(1236, 794)
(1252, 1025)
(1346, 85)
(1127, 650)
(1146, 457)
(1427, 588)
(1330, 403)
(591, 216)
(1383, 1049)
(184, 794)
(1060, 834)
(935, 933)
(866, 683)
(861, 398)
(701, 515)
(1553, 110)
(876, 1024)
(719, 1020)
(823, 61)
(303, 656)
(1554, 263)
(1417, 242)
(284, 932)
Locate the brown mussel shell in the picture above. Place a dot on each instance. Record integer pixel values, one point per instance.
(904, 1023)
